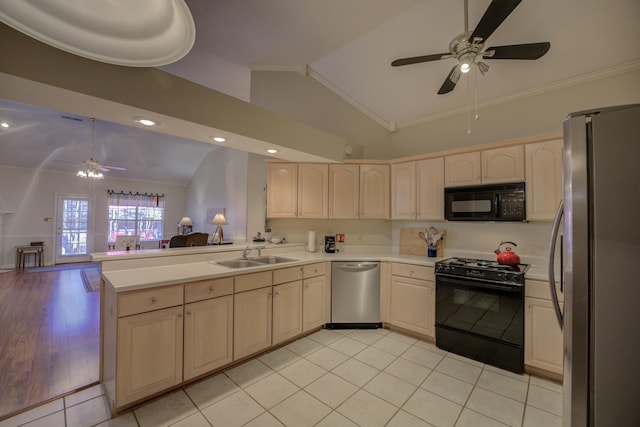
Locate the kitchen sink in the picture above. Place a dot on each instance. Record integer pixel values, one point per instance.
(239, 263)
(272, 259)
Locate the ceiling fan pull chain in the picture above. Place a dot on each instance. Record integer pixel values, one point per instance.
(475, 90)
(469, 107)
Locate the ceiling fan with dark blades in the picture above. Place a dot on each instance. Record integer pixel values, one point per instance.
(91, 168)
(468, 47)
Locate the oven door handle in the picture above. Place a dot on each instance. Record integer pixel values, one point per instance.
(505, 288)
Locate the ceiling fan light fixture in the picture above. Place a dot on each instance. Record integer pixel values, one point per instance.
(466, 60)
(90, 174)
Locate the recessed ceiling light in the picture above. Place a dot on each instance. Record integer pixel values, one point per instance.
(272, 151)
(219, 139)
(145, 122)
(4, 124)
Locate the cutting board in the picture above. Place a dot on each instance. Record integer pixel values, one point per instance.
(412, 244)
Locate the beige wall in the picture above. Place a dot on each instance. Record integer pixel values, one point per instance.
(532, 116)
(304, 99)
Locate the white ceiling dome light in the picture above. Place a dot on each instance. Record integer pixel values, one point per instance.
(141, 33)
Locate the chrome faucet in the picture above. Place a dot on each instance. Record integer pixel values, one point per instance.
(248, 249)
(245, 252)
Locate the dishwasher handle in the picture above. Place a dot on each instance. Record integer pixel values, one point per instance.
(357, 266)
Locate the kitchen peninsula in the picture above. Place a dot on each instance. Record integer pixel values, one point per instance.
(172, 316)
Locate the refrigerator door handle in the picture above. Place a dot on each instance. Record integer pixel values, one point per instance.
(552, 251)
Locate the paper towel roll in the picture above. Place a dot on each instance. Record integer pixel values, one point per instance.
(311, 241)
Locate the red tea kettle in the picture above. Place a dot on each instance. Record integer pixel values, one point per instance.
(507, 257)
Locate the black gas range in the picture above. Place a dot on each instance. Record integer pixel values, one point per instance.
(480, 311)
(483, 269)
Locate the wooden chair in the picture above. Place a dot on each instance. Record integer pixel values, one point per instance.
(178, 241)
(197, 239)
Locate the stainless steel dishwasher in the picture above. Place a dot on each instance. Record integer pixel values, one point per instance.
(355, 294)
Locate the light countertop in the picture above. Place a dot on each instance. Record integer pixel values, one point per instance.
(206, 266)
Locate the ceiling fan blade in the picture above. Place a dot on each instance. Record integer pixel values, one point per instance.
(495, 14)
(451, 80)
(419, 59)
(108, 168)
(517, 51)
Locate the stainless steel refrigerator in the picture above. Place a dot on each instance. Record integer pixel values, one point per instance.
(600, 268)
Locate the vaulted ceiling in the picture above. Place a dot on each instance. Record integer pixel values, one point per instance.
(348, 46)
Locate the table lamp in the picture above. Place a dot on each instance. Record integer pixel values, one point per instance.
(185, 224)
(219, 220)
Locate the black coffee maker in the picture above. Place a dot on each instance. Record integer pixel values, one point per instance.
(330, 244)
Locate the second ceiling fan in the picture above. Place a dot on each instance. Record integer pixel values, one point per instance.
(468, 47)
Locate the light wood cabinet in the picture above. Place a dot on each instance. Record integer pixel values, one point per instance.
(313, 302)
(313, 190)
(344, 191)
(403, 190)
(149, 354)
(544, 179)
(462, 169)
(208, 335)
(543, 336)
(251, 322)
(503, 165)
(385, 292)
(282, 190)
(412, 295)
(430, 189)
(497, 165)
(374, 191)
(287, 311)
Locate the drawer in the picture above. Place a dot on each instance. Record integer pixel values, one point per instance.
(247, 282)
(205, 289)
(149, 300)
(413, 271)
(313, 270)
(284, 275)
(540, 289)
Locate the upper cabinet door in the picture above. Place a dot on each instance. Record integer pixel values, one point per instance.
(503, 165)
(344, 191)
(544, 179)
(462, 169)
(374, 191)
(403, 190)
(430, 189)
(282, 190)
(313, 190)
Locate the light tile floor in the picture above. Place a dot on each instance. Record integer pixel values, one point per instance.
(333, 378)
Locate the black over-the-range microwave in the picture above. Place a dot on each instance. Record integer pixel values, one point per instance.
(499, 202)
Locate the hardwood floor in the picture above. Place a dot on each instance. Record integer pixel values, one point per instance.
(49, 337)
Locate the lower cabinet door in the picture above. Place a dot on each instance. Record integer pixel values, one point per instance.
(287, 311)
(149, 354)
(543, 346)
(413, 305)
(251, 322)
(313, 297)
(208, 335)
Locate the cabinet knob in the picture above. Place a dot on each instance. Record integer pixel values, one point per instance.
(211, 289)
(154, 300)
(189, 313)
(180, 315)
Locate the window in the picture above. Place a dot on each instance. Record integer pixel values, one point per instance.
(133, 214)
